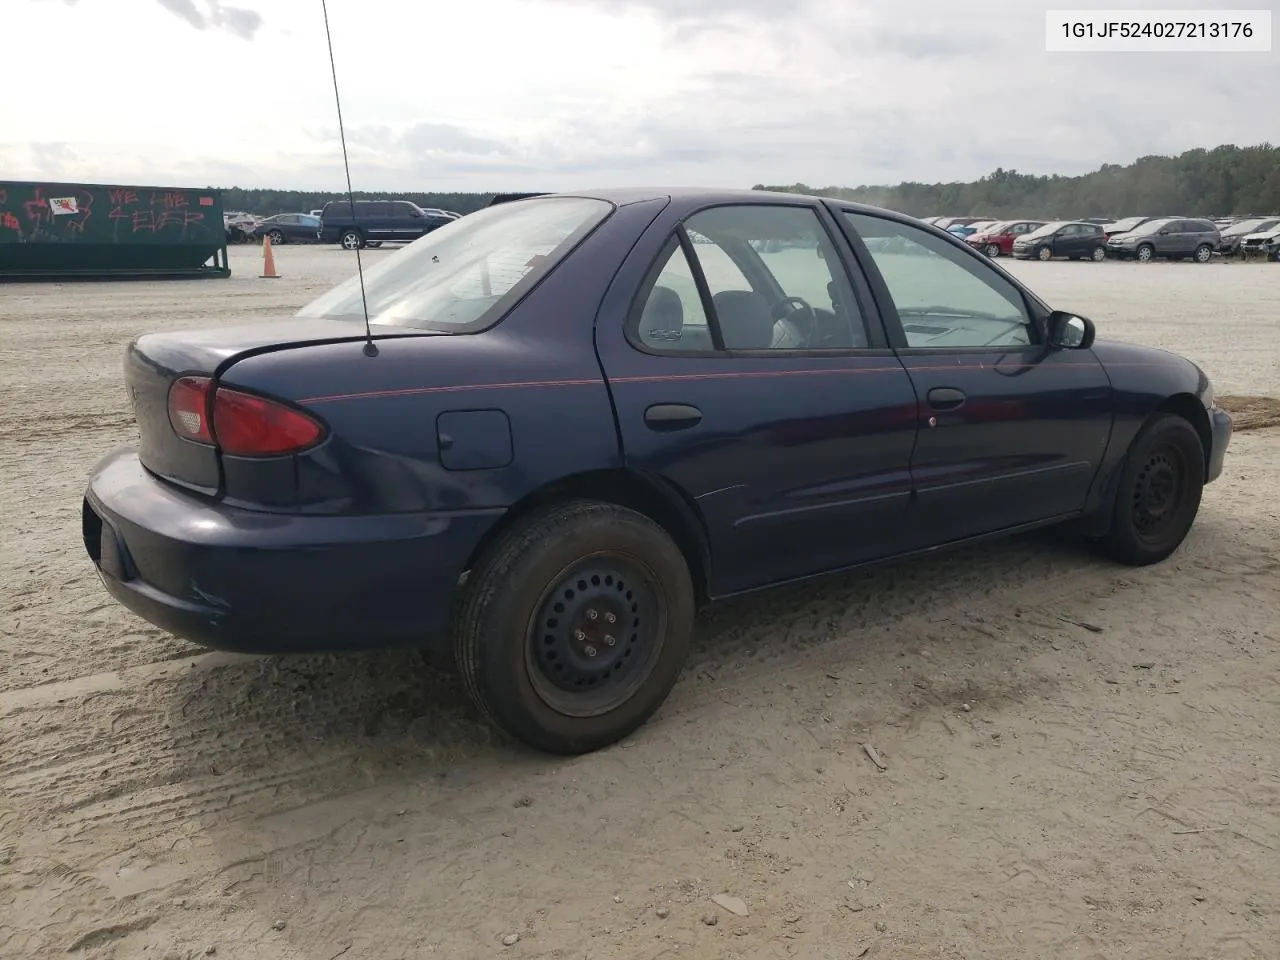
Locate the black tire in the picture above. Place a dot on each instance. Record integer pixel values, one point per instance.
(1099, 254)
(373, 244)
(1204, 253)
(1145, 253)
(1158, 495)
(351, 239)
(533, 619)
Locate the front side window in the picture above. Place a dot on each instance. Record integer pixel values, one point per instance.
(773, 278)
(944, 297)
(464, 275)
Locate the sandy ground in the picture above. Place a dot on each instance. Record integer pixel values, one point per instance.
(1082, 759)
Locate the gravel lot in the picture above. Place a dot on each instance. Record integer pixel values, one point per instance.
(1082, 759)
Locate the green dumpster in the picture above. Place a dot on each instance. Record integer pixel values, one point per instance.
(52, 231)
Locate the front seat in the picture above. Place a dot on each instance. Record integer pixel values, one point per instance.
(745, 321)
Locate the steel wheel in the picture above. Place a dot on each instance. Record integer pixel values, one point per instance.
(993, 250)
(1045, 254)
(1158, 490)
(574, 625)
(1145, 253)
(596, 636)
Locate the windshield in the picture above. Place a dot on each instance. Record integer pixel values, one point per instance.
(1259, 225)
(1151, 226)
(1047, 229)
(1125, 225)
(462, 276)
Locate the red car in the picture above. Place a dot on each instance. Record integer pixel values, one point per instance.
(997, 241)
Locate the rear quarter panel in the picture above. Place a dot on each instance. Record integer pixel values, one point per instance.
(537, 368)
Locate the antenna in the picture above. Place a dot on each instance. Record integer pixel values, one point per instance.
(370, 349)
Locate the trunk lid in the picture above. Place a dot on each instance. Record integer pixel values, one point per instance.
(154, 361)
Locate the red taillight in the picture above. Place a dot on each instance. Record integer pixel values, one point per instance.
(240, 424)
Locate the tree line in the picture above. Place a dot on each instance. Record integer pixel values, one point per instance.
(1223, 181)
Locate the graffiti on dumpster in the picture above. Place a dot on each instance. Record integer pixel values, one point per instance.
(54, 213)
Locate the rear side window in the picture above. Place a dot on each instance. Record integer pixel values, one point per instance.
(463, 276)
(771, 280)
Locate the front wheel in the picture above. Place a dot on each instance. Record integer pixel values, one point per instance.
(1099, 254)
(1044, 253)
(575, 625)
(277, 238)
(1146, 253)
(993, 250)
(1203, 253)
(1158, 495)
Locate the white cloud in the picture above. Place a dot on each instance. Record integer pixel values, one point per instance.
(515, 94)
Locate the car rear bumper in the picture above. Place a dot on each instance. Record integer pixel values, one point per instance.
(259, 582)
(1220, 425)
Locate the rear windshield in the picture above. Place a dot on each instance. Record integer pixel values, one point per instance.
(464, 275)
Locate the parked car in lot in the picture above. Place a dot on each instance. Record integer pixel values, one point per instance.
(289, 228)
(1073, 239)
(963, 230)
(374, 222)
(1120, 227)
(567, 425)
(1232, 237)
(1265, 243)
(1171, 238)
(998, 239)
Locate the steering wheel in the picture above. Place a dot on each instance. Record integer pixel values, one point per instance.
(794, 327)
(801, 311)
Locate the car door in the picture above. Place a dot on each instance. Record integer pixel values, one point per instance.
(288, 225)
(750, 374)
(1012, 431)
(1075, 240)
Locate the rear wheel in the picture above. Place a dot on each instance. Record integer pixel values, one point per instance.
(1158, 495)
(575, 625)
(352, 239)
(1099, 254)
(1203, 253)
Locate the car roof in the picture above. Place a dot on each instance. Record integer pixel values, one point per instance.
(705, 196)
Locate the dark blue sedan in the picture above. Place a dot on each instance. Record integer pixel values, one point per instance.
(573, 419)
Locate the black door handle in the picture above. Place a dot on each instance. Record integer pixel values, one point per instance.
(672, 416)
(946, 398)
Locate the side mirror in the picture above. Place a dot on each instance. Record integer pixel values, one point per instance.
(1070, 331)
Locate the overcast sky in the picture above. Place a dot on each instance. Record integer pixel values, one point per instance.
(555, 94)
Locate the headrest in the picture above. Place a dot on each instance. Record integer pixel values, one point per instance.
(663, 316)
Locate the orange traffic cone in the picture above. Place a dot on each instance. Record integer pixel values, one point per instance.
(268, 261)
